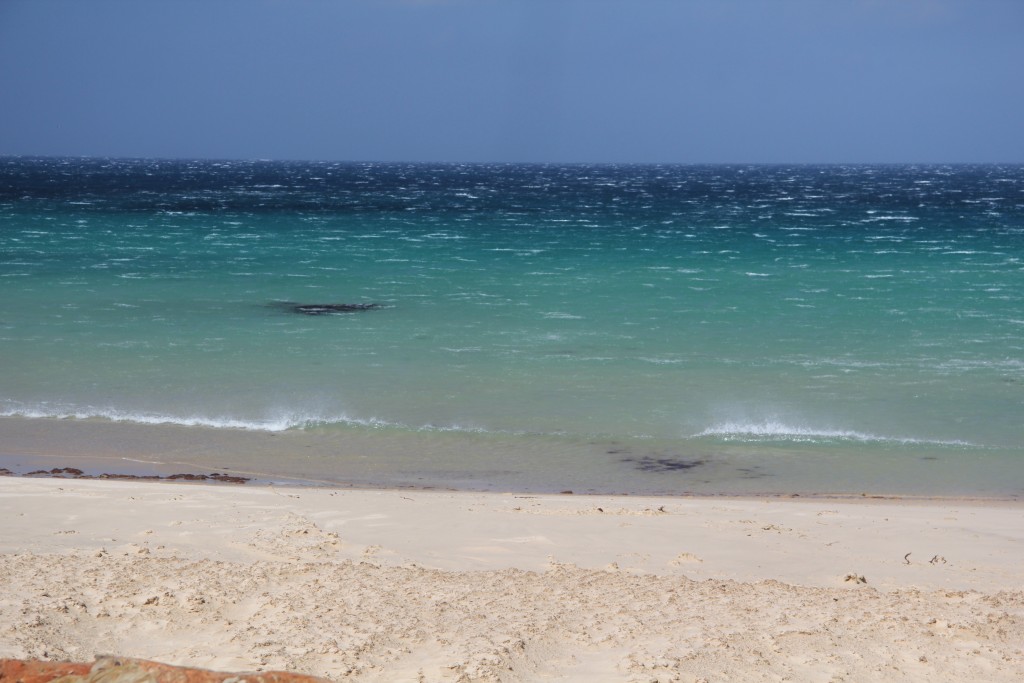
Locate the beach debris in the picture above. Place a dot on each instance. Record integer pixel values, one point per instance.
(126, 670)
(938, 559)
(906, 558)
(855, 578)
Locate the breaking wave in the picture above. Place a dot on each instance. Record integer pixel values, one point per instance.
(772, 430)
(275, 423)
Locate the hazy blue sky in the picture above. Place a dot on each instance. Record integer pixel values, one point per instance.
(516, 80)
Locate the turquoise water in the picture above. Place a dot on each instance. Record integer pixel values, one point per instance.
(617, 316)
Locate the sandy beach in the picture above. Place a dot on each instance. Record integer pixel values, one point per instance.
(406, 585)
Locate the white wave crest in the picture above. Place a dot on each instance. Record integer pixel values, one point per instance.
(771, 430)
(277, 423)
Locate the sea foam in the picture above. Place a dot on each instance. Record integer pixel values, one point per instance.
(279, 423)
(771, 430)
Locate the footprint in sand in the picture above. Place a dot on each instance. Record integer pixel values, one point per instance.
(685, 558)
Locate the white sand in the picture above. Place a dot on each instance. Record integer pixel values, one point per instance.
(413, 585)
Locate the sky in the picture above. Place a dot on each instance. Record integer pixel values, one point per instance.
(619, 81)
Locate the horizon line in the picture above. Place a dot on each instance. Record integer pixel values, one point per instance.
(286, 160)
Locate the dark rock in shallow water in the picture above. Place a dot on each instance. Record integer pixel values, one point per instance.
(57, 472)
(327, 309)
(323, 308)
(75, 473)
(661, 464)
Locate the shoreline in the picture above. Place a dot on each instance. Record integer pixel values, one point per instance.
(406, 585)
(68, 472)
(369, 458)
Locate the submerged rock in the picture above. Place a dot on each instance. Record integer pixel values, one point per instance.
(75, 473)
(321, 309)
(650, 463)
(325, 309)
(126, 670)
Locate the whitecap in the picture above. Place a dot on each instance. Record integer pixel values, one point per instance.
(771, 430)
(876, 219)
(277, 423)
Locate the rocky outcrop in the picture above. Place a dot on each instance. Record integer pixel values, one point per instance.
(125, 670)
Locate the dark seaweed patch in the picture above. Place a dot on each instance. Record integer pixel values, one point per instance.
(75, 473)
(752, 473)
(650, 463)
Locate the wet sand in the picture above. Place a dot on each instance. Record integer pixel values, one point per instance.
(370, 458)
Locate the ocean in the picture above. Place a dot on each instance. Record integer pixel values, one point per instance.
(669, 329)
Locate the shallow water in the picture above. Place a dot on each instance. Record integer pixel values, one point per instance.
(616, 328)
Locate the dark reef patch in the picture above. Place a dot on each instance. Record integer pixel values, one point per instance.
(75, 473)
(323, 309)
(651, 463)
(752, 473)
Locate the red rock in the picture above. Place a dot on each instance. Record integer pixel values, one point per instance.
(126, 670)
(34, 671)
